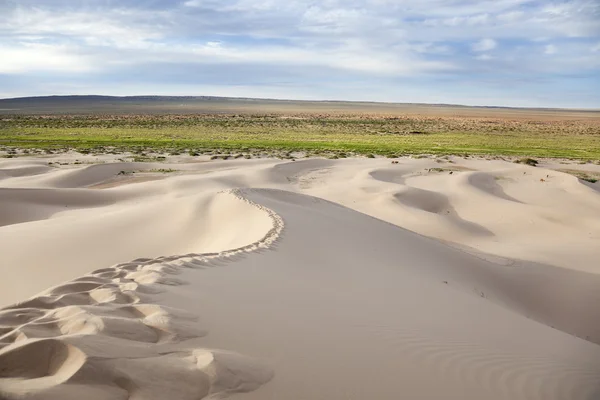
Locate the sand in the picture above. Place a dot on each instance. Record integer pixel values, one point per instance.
(428, 278)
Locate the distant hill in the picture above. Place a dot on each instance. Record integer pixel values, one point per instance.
(92, 104)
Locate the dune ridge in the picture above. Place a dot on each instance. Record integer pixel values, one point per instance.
(349, 307)
(425, 278)
(100, 336)
(504, 209)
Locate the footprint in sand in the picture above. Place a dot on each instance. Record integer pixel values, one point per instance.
(96, 337)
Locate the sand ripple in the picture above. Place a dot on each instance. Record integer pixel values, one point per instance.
(101, 337)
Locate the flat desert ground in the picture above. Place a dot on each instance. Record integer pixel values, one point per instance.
(427, 278)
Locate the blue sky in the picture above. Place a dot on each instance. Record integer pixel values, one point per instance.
(485, 52)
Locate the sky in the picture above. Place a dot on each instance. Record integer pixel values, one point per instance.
(527, 53)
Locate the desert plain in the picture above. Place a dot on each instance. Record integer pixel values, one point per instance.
(148, 273)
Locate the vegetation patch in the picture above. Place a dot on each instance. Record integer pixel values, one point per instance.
(144, 158)
(162, 170)
(527, 161)
(587, 176)
(450, 170)
(318, 134)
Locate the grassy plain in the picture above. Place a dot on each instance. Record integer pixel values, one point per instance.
(428, 130)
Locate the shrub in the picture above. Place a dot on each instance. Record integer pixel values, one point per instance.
(527, 161)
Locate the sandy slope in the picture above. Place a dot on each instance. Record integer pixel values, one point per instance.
(319, 300)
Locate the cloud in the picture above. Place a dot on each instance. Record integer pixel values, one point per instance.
(430, 48)
(33, 57)
(484, 45)
(511, 16)
(550, 49)
(302, 46)
(118, 27)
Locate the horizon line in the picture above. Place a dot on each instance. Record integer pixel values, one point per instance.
(299, 100)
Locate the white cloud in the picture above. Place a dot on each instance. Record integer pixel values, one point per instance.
(32, 57)
(460, 21)
(110, 28)
(378, 40)
(550, 49)
(317, 19)
(429, 48)
(511, 16)
(556, 9)
(344, 58)
(484, 45)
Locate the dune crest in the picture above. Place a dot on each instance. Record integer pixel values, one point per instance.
(100, 336)
(352, 301)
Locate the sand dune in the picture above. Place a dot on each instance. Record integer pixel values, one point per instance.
(98, 337)
(500, 208)
(290, 288)
(130, 225)
(382, 321)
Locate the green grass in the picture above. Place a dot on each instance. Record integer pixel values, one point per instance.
(339, 136)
